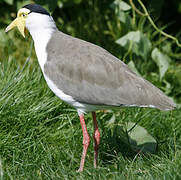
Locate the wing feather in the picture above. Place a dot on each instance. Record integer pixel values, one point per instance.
(92, 75)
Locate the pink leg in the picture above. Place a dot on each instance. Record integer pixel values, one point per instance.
(86, 142)
(96, 137)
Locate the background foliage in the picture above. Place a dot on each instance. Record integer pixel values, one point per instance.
(117, 27)
(31, 117)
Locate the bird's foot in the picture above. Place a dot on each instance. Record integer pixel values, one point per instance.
(80, 170)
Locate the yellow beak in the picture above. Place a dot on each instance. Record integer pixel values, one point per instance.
(19, 22)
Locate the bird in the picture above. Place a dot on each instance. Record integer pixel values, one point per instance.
(84, 75)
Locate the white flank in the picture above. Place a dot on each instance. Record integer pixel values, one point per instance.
(81, 107)
(58, 92)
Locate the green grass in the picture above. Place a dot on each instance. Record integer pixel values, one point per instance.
(41, 137)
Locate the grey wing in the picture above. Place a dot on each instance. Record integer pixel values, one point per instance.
(92, 75)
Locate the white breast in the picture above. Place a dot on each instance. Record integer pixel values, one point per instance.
(41, 28)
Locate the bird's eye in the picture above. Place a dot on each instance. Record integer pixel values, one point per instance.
(23, 14)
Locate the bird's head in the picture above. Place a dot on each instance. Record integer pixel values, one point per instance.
(33, 17)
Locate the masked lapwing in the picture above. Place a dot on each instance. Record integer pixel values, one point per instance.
(85, 75)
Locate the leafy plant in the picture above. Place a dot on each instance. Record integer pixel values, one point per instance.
(41, 136)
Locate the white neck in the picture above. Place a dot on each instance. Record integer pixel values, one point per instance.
(41, 28)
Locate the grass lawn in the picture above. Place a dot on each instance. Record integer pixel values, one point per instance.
(41, 137)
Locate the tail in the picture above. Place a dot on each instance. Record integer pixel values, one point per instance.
(164, 103)
(159, 100)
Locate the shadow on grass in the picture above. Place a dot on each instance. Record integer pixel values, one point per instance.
(114, 148)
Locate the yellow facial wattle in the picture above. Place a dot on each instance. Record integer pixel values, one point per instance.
(20, 21)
